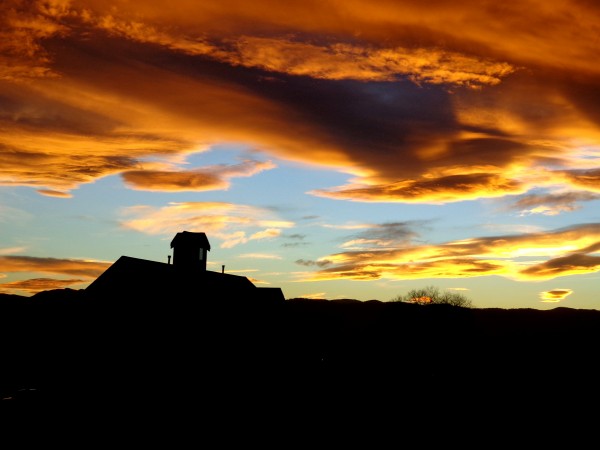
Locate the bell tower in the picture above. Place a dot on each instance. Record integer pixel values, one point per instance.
(190, 250)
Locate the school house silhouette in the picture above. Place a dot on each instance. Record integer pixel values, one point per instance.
(186, 276)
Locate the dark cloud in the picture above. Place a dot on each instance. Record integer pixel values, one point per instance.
(386, 234)
(297, 237)
(294, 236)
(443, 189)
(566, 265)
(585, 178)
(172, 181)
(309, 263)
(552, 204)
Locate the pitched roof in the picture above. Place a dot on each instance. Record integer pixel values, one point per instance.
(129, 275)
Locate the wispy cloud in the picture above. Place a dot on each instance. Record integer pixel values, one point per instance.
(71, 267)
(314, 296)
(232, 224)
(558, 253)
(12, 250)
(258, 281)
(349, 226)
(384, 235)
(34, 285)
(259, 256)
(552, 204)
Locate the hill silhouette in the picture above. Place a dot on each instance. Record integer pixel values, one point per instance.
(67, 347)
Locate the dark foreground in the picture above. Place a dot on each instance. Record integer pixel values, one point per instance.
(312, 359)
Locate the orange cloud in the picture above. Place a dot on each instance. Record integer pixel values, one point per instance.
(148, 180)
(376, 90)
(569, 251)
(51, 193)
(585, 179)
(204, 179)
(438, 190)
(339, 61)
(314, 296)
(23, 27)
(464, 25)
(333, 60)
(72, 267)
(555, 295)
(35, 285)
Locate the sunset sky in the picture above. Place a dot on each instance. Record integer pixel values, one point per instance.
(333, 148)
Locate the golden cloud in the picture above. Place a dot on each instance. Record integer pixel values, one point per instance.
(314, 296)
(585, 179)
(555, 295)
(222, 220)
(332, 60)
(573, 264)
(570, 252)
(259, 256)
(72, 267)
(34, 285)
(258, 281)
(339, 61)
(54, 159)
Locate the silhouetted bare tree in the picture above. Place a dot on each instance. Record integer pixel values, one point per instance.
(431, 295)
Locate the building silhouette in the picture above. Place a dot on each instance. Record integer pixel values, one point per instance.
(186, 278)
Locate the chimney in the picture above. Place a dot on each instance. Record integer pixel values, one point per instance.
(223, 268)
(169, 262)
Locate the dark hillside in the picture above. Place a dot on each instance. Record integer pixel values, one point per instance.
(64, 346)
